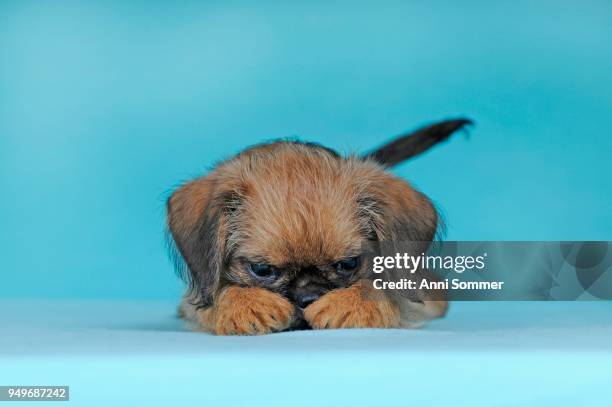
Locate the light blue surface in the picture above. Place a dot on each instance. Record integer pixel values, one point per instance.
(494, 354)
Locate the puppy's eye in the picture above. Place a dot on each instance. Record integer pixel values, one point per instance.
(347, 266)
(261, 270)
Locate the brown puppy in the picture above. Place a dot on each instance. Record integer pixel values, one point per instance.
(272, 238)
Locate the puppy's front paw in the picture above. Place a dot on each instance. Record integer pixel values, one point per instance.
(353, 307)
(250, 311)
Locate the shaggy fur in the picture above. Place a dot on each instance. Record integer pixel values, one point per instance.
(300, 209)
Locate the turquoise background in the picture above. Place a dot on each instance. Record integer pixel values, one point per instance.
(106, 106)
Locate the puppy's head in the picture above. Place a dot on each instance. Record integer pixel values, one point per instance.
(292, 218)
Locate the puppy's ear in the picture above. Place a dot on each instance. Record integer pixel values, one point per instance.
(399, 212)
(195, 221)
(402, 219)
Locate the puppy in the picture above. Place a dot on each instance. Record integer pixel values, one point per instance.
(272, 238)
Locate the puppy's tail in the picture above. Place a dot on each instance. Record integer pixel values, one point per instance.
(409, 145)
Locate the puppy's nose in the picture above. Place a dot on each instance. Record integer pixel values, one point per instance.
(305, 300)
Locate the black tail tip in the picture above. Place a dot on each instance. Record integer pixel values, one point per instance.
(453, 125)
(412, 144)
(444, 129)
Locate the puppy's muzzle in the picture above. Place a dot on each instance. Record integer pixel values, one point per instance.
(304, 296)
